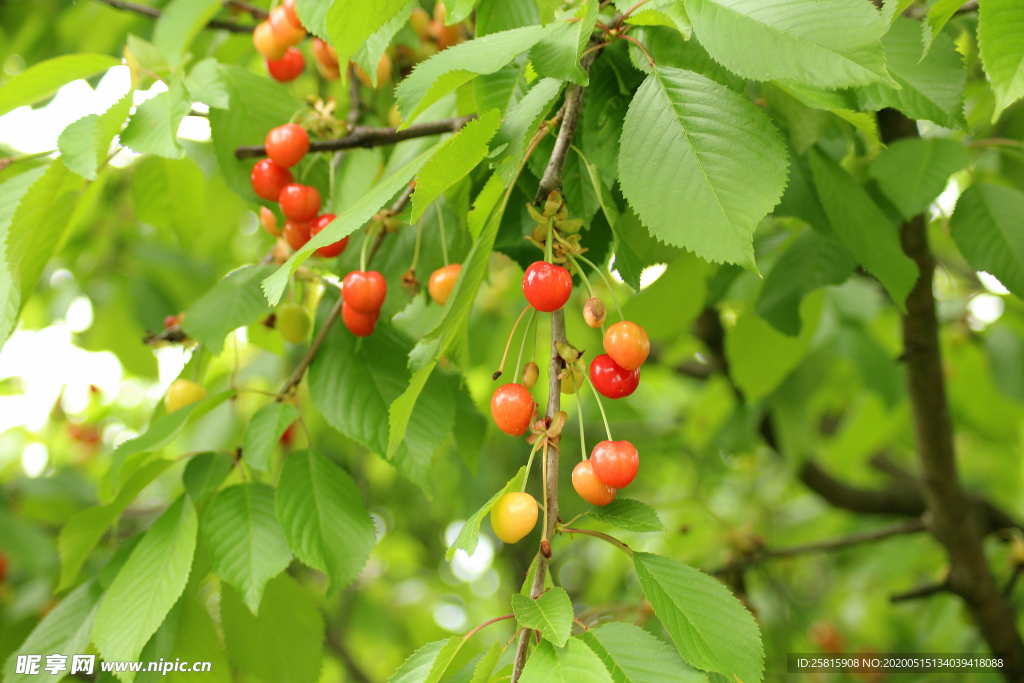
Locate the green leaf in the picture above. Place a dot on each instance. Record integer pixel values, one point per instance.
(255, 105)
(148, 585)
(369, 54)
(469, 429)
(863, 227)
(350, 220)
(558, 55)
(450, 68)
(760, 357)
(938, 14)
(1001, 38)
(841, 104)
(667, 50)
(930, 88)
(469, 536)
(179, 23)
(521, 123)
(235, 301)
(454, 160)
(66, 630)
(245, 541)
(149, 57)
(428, 663)
(700, 164)
(710, 627)
(574, 663)
(550, 613)
(153, 128)
(891, 9)
(41, 80)
(604, 109)
(912, 172)
(668, 13)
(632, 655)
(85, 528)
(484, 204)
(547, 10)
(832, 44)
(156, 186)
(812, 261)
(371, 374)
(36, 209)
(988, 228)
(494, 16)
(660, 310)
(197, 641)
(628, 514)
(322, 514)
(313, 14)
(264, 430)
(459, 10)
(205, 473)
(283, 644)
(84, 143)
(206, 84)
(351, 22)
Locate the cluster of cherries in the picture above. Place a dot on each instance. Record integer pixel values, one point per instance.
(276, 39)
(614, 374)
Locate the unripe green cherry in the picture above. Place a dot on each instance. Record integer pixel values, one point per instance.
(183, 392)
(294, 323)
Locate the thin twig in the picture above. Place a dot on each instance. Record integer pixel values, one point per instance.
(296, 376)
(154, 13)
(367, 136)
(597, 534)
(920, 592)
(256, 12)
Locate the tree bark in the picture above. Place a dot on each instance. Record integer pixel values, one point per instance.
(953, 520)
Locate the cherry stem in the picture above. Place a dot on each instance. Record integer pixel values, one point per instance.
(522, 345)
(583, 276)
(529, 466)
(514, 636)
(582, 625)
(332, 160)
(440, 225)
(416, 251)
(596, 534)
(630, 11)
(607, 429)
(640, 45)
(501, 368)
(607, 283)
(547, 241)
(487, 623)
(579, 410)
(366, 242)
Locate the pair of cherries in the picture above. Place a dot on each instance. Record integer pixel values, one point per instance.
(612, 465)
(616, 372)
(275, 39)
(363, 294)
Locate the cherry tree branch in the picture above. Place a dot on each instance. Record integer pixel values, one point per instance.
(154, 13)
(367, 136)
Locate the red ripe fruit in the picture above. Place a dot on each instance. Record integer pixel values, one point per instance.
(289, 67)
(590, 488)
(268, 179)
(287, 144)
(297, 234)
(547, 287)
(170, 321)
(512, 408)
(331, 250)
(359, 324)
(611, 379)
(364, 292)
(615, 463)
(299, 202)
(291, 14)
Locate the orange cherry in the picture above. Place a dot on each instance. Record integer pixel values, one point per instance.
(442, 281)
(512, 408)
(590, 488)
(627, 344)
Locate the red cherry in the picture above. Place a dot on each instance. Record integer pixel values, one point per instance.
(615, 463)
(170, 321)
(364, 292)
(299, 202)
(331, 250)
(512, 408)
(297, 234)
(611, 379)
(590, 488)
(359, 324)
(287, 144)
(288, 436)
(547, 287)
(291, 14)
(268, 179)
(289, 67)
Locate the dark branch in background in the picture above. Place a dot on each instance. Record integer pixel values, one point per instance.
(256, 12)
(552, 180)
(925, 591)
(154, 13)
(366, 136)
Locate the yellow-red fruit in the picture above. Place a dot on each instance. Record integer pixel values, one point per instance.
(594, 312)
(442, 281)
(446, 36)
(285, 31)
(291, 13)
(627, 344)
(530, 374)
(269, 221)
(514, 516)
(183, 392)
(383, 72)
(267, 43)
(567, 385)
(590, 488)
(326, 60)
(440, 13)
(394, 116)
(420, 22)
(294, 323)
(512, 408)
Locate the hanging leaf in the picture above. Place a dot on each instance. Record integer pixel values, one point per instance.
(558, 55)
(574, 663)
(41, 80)
(1001, 39)
(988, 228)
(550, 613)
(84, 144)
(628, 514)
(263, 432)
(633, 655)
(912, 172)
(235, 301)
